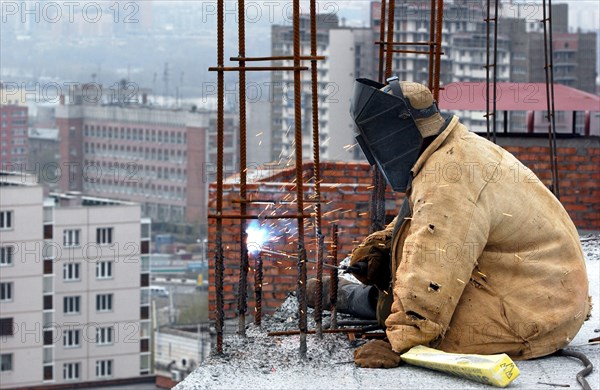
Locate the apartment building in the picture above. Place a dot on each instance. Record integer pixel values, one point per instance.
(74, 302)
(14, 145)
(157, 157)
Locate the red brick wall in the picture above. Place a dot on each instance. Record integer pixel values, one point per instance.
(345, 192)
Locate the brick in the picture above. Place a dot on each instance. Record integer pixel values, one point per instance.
(565, 151)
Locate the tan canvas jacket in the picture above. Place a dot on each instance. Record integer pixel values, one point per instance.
(489, 261)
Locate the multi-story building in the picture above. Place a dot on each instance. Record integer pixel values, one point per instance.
(74, 297)
(349, 55)
(14, 145)
(154, 156)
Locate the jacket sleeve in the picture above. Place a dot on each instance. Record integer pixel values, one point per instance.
(444, 239)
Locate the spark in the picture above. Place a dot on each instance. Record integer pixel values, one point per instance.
(482, 274)
(259, 134)
(460, 281)
(508, 215)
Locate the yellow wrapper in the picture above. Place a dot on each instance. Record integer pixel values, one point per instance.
(496, 370)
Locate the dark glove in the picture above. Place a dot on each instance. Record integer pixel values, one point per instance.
(376, 354)
(375, 252)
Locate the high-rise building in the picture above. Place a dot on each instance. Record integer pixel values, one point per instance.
(160, 158)
(74, 299)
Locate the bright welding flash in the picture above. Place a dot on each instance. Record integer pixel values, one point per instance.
(256, 238)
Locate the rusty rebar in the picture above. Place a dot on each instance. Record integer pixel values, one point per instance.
(333, 275)
(432, 45)
(276, 216)
(554, 157)
(438, 49)
(495, 78)
(412, 51)
(381, 40)
(258, 281)
(400, 43)
(277, 58)
(302, 306)
(487, 69)
(219, 268)
(317, 172)
(243, 281)
(255, 68)
(390, 38)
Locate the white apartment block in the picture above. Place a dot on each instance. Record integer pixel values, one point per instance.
(74, 275)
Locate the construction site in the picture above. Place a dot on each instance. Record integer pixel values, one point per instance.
(269, 236)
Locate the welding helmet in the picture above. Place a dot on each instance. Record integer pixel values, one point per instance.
(392, 122)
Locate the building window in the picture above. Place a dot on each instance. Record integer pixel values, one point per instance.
(104, 269)
(71, 371)
(104, 336)
(71, 338)
(104, 302)
(6, 255)
(6, 362)
(104, 235)
(71, 238)
(103, 368)
(6, 326)
(6, 290)
(71, 271)
(71, 305)
(6, 219)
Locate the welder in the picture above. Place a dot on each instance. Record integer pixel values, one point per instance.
(482, 258)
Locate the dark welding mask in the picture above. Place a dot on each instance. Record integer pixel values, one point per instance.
(389, 135)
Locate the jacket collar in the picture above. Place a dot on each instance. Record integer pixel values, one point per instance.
(439, 140)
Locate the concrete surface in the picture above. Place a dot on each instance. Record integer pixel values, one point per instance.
(249, 364)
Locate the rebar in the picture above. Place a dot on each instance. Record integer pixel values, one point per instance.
(317, 172)
(431, 44)
(219, 268)
(496, 19)
(302, 306)
(381, 41)
(258, 281)
(243, 281)
(390, 38)
(333, 275)
(549, 71)
(487, 68)
(438, 49)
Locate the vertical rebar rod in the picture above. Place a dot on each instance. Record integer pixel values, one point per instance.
(317, 169)
(258, 281)
(494, 106)
(333, 282)
(487, 68)
(302, 307)
(549, 100)
(243, 281)
(382, 40)
(438, 49)
(431, 44)
(219, 315)
(390, 39)
(553, 139)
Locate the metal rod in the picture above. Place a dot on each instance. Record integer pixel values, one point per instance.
(243, 281)
(302, 305)
(270, 201)
(549, 99)
(219, 267)
(495, 70)
(276, 216)
(381, 40)
(258, 281)
(431, 45)
(316, 167)
(255, 68)
(333, 282)
(413, 51)
(313, 331)
(438, 49)
(554, 151)
(487, 69)
(277, 58)
(396, 43)
(390, 38)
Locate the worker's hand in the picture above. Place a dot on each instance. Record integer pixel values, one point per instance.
(376, 354)
(374, 251)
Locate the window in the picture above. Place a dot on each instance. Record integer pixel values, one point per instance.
(103, 368)
(104, 269)
(71, 271)
(71, 305)
(6, 326)
(6, 255)
(104, 235)
(6, 292)
(104, 336)
(71, 237)
(6, 362)
(71, 338)
(104, 302)
(71, 371)
(6, 219)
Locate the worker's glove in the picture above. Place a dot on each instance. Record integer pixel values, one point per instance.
(376, 354)
(374, 251)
